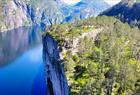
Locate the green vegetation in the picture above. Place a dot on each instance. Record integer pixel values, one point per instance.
(107, 65)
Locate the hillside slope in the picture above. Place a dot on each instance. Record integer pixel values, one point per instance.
(126, 11)
(101, 56)
(13, 15)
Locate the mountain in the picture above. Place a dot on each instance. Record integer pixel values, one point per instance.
(16, 13)
(126, 11)
(13, 14)
(57, 11)
(84, 9)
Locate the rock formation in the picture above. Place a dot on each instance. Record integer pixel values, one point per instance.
(55, 77)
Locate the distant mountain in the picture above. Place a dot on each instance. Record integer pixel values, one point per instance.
(84, 9)
(56, 11)
(16, 13)
(126, 11)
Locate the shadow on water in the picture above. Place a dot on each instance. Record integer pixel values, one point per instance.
(14, 42)
(49, 87)
(39, 85)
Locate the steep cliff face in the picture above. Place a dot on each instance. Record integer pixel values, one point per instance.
(55, 77)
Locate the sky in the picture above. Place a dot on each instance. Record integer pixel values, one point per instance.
(112, 2)
(71, 2)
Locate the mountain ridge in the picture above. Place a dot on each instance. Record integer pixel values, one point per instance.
(127, 11)
(18, 13)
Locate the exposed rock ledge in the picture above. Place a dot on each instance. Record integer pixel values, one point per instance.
(55, 77)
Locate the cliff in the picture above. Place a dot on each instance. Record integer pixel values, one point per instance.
(100, 53)
(55, 77)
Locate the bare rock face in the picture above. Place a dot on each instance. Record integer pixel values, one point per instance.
(14, 14)
(55, 77)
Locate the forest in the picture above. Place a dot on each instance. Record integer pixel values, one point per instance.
(107, 63)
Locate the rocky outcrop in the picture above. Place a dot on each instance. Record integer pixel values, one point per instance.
(55, 77)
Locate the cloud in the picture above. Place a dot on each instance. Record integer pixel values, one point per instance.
(112, 2)
(70, 2)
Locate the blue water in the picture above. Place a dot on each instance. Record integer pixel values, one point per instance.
(24, 76)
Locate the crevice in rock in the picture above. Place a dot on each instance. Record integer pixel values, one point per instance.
(49, 87)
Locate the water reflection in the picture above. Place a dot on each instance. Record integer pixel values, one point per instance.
(25, 75)
(15, 42)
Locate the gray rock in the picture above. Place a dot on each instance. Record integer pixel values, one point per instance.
(55, 77)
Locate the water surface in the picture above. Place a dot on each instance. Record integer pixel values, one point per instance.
(25, 75)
